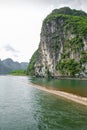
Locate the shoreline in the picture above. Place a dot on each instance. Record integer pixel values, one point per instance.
(69, 96)
(63, 77)
(70, 78)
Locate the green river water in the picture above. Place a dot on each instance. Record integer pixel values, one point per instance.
(78, 87)
(23, 107)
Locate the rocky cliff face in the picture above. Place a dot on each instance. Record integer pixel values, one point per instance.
(63, 45)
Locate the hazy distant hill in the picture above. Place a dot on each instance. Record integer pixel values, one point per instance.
(9, 65)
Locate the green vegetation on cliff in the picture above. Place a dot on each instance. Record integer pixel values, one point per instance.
(77, 23)
(69, 67)
(31, 68)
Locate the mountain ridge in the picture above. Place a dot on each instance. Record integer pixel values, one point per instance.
(69, 11)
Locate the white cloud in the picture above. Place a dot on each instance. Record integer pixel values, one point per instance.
(8, 47)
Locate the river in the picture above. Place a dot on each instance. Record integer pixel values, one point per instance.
(23, 107)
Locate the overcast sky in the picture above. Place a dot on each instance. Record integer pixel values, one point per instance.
(20, 24)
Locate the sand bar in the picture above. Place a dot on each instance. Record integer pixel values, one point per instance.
(69, 96)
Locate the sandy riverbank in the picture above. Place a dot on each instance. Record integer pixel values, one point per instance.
(69, 96)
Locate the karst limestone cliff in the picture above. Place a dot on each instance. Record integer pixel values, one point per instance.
(63, 45)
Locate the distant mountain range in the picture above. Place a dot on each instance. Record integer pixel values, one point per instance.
(8, 65)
